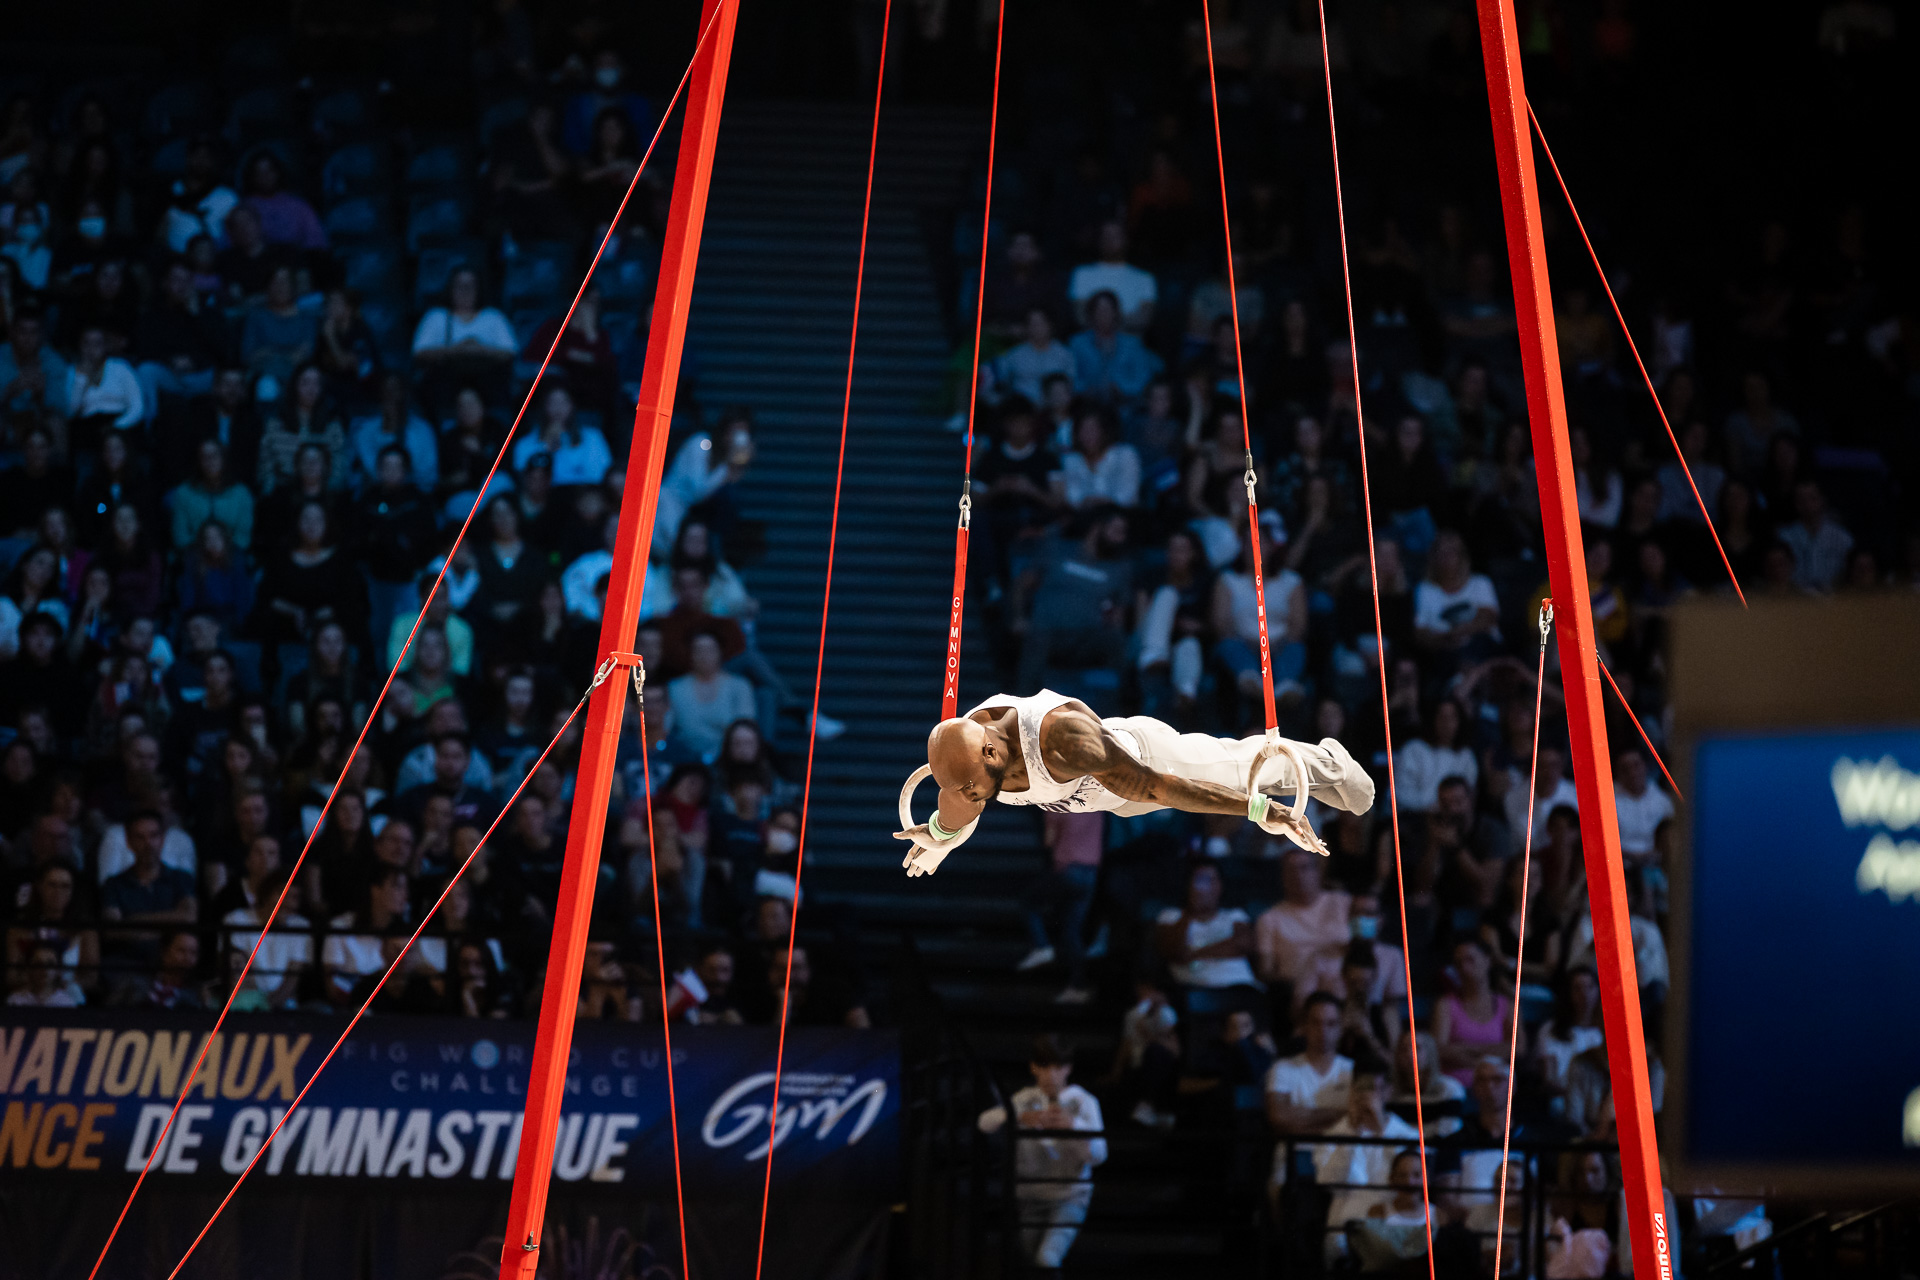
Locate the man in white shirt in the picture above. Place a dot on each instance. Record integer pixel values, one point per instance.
(1055, 1174)
(1136, 290)
(1308, 1093)
(1025, 369)
(1641, 806)
(1360, 1176)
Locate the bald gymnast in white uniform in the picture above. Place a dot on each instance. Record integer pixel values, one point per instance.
(1054, 753)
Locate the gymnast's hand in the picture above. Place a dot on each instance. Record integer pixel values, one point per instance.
(925, 857)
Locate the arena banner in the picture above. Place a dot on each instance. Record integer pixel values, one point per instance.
(422, 1115)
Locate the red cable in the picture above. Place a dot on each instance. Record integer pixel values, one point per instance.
(1624, 706)
(666, 1022)
(1644, 375)
(1380, 642)
(374, 711)
(820, 660)
(950, 680)
(1520, 947)
(375, 993)
(1240, 386)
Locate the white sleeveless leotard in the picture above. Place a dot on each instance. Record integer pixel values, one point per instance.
(1076, 795)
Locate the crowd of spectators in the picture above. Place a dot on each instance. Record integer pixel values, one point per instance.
(262, 335)
(1111, 534)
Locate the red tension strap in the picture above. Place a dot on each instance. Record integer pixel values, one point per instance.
(1240, 385)
(1379, 638)
(1520, 947)
(950, 679)
(820, 659)
(374, 712)
(391, 969)
(1631, 346)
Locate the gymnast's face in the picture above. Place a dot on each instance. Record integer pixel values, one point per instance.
(969, 758)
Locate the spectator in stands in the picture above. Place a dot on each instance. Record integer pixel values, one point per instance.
(702, 476)
(173, 985)
(279, 334)
(1074, 841)
(585, 356)
(1300, 942)
(249, 261)
(396, 426)
(1099, 472)
(1309, 1092)
(1438, 754)
(102, 391)
(345, 349)
(1819, 545)
(1014, 289)
(211, 496)
(396, 535)
(461, 335)
(1134, 289)
(1147, 1062)
(609, 92)
(356, 941)
(311, 583)
(1475, 1021)
(1204, 944)
(1573, 1029)
(1553, 791)
(1361, 1173)
(1236, 617)
(285, 218)
(1054, 1175)
(33, 377)
(1640, 805)
(181, 343)
(1456, 611)
(49, 983)
(578, 454)
(605, 173)
(708, 698)
(49, 912)
(1110, 363)
(1024, 369)
(1079, 602)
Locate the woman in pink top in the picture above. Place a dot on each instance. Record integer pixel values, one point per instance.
(1472, 1023)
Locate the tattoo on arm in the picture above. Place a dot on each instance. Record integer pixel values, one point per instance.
(1085, 747)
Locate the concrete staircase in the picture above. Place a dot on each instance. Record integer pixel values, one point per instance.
(769, 329)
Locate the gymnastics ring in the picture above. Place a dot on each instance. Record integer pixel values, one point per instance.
(1290, 822)
(916, 862)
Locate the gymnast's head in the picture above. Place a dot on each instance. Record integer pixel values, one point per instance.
(968, 757)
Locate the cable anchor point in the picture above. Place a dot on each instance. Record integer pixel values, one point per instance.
(1546, 621)
(966, 508)
(530, 1246)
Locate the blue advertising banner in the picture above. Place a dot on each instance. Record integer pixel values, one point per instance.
(427, 1111)
(440, 1099)
(1805, 969)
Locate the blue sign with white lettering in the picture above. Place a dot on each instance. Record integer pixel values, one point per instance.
(1805, 976)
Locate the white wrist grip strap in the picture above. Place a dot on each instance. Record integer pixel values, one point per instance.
(928, 852)
(1290, 822)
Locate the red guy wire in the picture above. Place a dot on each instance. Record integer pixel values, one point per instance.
(820, 660)
(1631, 346)
(666, 1020)
(1520, 948)
(1380, 641)
(1626, 707)
(375, 993)
(374, 711)
(1240, 386)
(986, 226)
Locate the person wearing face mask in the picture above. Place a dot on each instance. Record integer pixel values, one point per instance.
(607, 75)
(27, 248)
(91, 244)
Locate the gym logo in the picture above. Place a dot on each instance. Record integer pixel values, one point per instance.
(1662, 1251)
(814, 1103)
(1882, 794)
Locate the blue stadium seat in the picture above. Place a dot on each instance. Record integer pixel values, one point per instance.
(388, 321)
(539, 273)
(177, 110)
(372, 268)
(259, 114)
(499, 116)
(626, 280)
(357, 170)
(435, 219)
(344, 113)
(171, 160)
(361, 218)
(438, 168)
